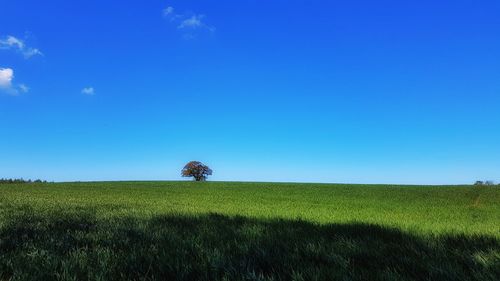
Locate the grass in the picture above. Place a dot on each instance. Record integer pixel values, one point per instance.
(248, 231)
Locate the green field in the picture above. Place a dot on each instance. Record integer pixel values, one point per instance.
(248, 231)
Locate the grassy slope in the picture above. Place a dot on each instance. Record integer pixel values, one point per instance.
(132, 230)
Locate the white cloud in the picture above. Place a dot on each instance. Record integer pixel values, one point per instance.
(6, 85)
(6, 77)
(13, 43)
(88, 91)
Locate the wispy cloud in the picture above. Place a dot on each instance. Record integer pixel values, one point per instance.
(18, 45)
(7, 85)
(23, 88)
(89, 91)
(168, 11)
(189, 24)
(192, 22)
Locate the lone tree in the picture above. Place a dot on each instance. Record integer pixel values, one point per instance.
(197, 170)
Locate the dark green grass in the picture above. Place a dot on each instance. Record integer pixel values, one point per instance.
(248, 231)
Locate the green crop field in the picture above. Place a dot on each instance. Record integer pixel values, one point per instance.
(248, 231)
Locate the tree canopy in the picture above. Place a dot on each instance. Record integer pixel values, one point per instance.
(197, 170)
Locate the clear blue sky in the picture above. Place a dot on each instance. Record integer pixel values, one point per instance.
(314, 91)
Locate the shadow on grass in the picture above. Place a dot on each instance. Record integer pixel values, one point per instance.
(77, 246)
